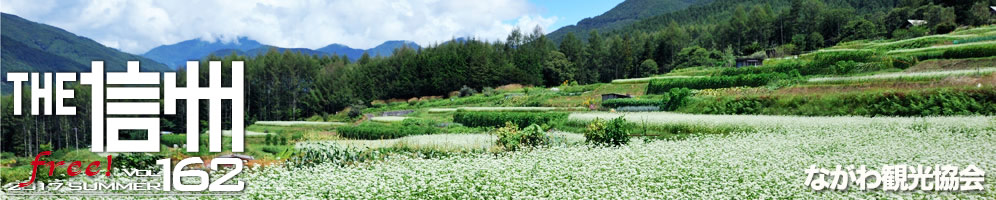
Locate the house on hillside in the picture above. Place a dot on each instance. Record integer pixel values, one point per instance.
(755, 59)
(915, 22)
(615, 96)
(744, 61)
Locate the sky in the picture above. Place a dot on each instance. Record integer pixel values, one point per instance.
(135, 26)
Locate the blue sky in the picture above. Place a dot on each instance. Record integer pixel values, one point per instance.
(570, 12)
(136, 26)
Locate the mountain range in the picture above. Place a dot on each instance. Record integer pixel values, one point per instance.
(26, 46)
(174, 55)
(30, 46)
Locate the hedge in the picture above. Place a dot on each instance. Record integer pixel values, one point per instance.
(976, 51)
(495, 119)
(373, 131)
(931, 102)
(662, 86)
(616, 103)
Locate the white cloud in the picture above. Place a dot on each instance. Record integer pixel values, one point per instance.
(137, 26)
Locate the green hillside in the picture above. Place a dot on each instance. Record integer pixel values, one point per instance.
(30, 46)
(624, 14)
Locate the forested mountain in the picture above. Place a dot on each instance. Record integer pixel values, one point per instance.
(264, 48)
(387, 48)
(30, 46)
(625, 13)
(713, 34)
(384, 49)
(36, 47)
(177, 54)
(340, 49)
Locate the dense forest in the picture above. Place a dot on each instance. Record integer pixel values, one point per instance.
(295, 86)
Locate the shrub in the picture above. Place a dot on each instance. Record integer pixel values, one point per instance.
(489, 91)
(800, 66)
(373, 131)
(136, 160)
(828, 58)
(495, 119)
(616, 103)
(315, 118)
(467, 91)
(912, 32)
(902, 62)
(273, 149)
(944, 28)
(612, 132)
(511, 138)
(661, 86)
(851, 67)
(314, 153)
(173, 139)
(675, 98)
(419, 122)
(356, 111)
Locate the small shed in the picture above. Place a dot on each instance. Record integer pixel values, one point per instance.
(615, 96)
(915, 22)
(743, 62)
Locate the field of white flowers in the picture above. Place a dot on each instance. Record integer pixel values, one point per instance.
(763, 164)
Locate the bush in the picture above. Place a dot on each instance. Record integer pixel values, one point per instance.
(829, 58)
(315, 118)
(489, 91)
(944, 28)
(467, 91)
(902, 62)
(661, 86)
(311, 154)
(273, 149)
(912, 32)
(851, 67)
(802, 67)
(419, 122)
(674, 98)
(511, 138)
(616, 103)
(355, 111)
(495, 119)
(171, 140)
(136, 160)
(374, 131)
(612, 132)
